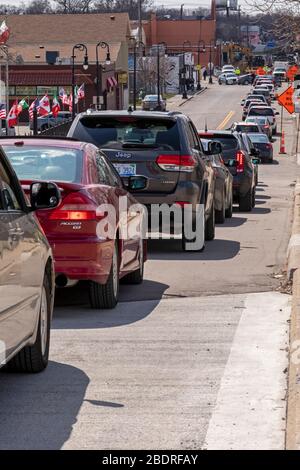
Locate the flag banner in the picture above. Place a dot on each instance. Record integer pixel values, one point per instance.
(44, 107)
(12, 117)
(34, 104)
(2, 111)
(55, 107)
(4, 32)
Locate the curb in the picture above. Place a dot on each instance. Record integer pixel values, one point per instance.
(293, 398)
(293, 257)
(191, 97)
(293, 271)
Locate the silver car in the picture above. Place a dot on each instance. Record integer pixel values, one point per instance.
(151, 103)
(26, 273)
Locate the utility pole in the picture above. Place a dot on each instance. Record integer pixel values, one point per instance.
(140, 31)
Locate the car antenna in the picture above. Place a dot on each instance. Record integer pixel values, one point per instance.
(205, 126)
(130, 110)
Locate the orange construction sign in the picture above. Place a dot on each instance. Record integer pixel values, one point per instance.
(260, 71)
(286, 100)
(292, 71)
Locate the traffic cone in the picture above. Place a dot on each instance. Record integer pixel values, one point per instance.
(282, 144)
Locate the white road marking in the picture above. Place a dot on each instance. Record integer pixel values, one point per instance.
(250, 409)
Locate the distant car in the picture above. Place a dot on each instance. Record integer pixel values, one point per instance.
(87, 181)
(228, 68)
(26, 272)
(246, 127)
(280, 73)
(44, 122)
(266, 111)
(262, 92)
(224, 179)
(239, 161)
(165, 148)
(247, 105)
(150, 103)
(228, 78)
(263, 123)
(263, 145)
(245, 79)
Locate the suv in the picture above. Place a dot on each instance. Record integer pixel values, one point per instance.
(238, 158)
(266, 111)
(26, 273)
(165, 148)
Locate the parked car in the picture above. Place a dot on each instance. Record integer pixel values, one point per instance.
(266, 111)
(224, 179)
(262, 143)
(88, 182)
(228, 78)
(239, 161)
(165, 148)
(246, 127)
(150, 103)
(245, 79)
(26, 273)
(264, 124)
(44, 122)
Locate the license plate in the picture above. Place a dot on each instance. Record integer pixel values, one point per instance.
(125, 169)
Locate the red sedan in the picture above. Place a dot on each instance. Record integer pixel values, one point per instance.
(91, 237)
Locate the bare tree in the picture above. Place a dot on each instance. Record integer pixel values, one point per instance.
(120, 6)
(74, 6)
(36, 7)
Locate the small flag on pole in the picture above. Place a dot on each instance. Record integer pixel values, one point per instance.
(2, 111)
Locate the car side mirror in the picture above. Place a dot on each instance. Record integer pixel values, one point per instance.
(44, 195)
(256, 161)
(277, 113)
(136, 183)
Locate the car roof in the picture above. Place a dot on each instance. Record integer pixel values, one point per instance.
(35, 142)
(115, 113)
(242, 123)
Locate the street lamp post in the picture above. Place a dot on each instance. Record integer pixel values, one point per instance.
(184, 93)
(158, 74)
(136, 46)
(200, 43)
(212, 45)
(79, 47)
(103, 45)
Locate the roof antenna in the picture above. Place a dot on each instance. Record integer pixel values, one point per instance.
(205, 125)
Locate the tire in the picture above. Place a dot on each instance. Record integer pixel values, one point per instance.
(136, 277)
(220, 215)
(34, 359)
(246, 82)
(245, 202)
(229, 210)
(106, 296)
(210, 225)
(186, 242)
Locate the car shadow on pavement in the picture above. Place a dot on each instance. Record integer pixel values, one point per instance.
(79, 315)
(234, 221)
(38, 411)
(171, 250)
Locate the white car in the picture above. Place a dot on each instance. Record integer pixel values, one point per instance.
(228, 78)
(228, 68)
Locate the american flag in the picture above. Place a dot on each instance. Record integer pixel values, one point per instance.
(34, 104)
(2, 111)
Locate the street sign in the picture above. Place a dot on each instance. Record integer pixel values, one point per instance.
(286, 100)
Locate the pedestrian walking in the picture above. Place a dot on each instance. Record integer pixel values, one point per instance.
(204, 75)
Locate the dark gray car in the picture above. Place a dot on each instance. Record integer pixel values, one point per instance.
(26, 274)
(164, 147)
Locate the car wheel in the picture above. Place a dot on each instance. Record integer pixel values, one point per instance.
(107, 295)
(245, 202)
(137, 277)
(220, 215)
(246, 82)
(210, 225)
(34, 358)
(229, 210)
(185, 242)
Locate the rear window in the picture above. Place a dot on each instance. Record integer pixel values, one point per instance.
(258, 138)
(247, 129)
(125, 131)
(261, 112)
(45, 163)
(261, 92)
(228, 142)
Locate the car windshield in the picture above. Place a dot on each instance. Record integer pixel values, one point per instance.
(45, 163)
(259, 120)
(128, 131)
(261, 111)
(258, 138)
(246, 129)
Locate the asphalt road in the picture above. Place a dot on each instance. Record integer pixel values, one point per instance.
(193, 358)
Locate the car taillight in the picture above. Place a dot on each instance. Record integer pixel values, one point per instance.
(76, 207)
(176, 162)
(266, 126)
(269, 146)
(240, 157)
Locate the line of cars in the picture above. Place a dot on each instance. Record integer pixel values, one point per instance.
(61, 193)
